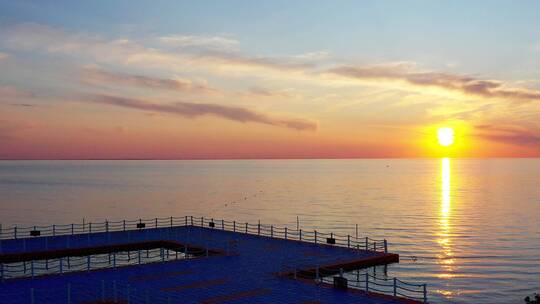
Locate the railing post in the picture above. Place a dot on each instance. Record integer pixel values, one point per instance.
(90, 227)
(103, 290)
(395, 287)
(285, 232)
(259, 228)
(367, 243)
(60, 266)
(68, 293)
(191, 220)
(72, 228)
(115, 296)
(374, 246)
(88, 263)
(348, 241)
(385, 246)
(1, 272)
(124, 225)
(315, 233)
(222, 224)
(15, 232)
(185, 221)
(171, 222)
(246, 228)
(202, 221)
(32, 268)
(300, 234)
(107, 226)
(156, 222)
(139, 256)
(271, 230)
(367, 282)
(425, 292)
(114, 260)
(234, 226)
(54, 230)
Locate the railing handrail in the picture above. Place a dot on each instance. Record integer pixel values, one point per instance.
(364, 243)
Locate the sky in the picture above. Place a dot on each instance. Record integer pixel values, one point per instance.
(268, 79)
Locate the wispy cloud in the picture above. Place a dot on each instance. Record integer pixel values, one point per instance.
(515, 135)
(192, 110)
(214, 42)
(407, 73)
(11, 92)
(97, 75)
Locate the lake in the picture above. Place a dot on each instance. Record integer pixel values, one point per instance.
(469, 228)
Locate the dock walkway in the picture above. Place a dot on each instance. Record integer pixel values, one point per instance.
(215, 266)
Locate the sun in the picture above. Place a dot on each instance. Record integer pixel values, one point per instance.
(445, 136)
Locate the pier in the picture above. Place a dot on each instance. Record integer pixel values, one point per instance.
(194, 260)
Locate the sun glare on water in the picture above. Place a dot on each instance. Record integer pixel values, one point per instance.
(445, 136)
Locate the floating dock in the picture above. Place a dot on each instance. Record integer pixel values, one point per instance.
(193, 260)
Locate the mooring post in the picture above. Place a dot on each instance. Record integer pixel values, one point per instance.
(315, 233)
(395, 287)
(367, 282)
(68, 293)
(425, 292)
(348, 241)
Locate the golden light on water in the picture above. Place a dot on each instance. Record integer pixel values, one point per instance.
(445, 136)
(445, 258)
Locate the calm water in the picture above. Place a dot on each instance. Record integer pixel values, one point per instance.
(473, 225)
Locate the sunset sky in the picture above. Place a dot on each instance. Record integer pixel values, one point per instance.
(268, 79)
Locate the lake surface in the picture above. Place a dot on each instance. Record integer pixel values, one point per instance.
(469, 228)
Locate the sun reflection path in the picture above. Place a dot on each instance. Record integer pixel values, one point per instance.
(445, 258)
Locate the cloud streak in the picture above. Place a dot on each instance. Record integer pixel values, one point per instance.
(193, 110)
(465, 84)
(514, 135)
(97, 75)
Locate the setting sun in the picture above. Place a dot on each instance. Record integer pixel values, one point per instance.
(445, 136)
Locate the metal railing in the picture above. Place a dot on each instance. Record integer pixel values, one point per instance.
(317, 237)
